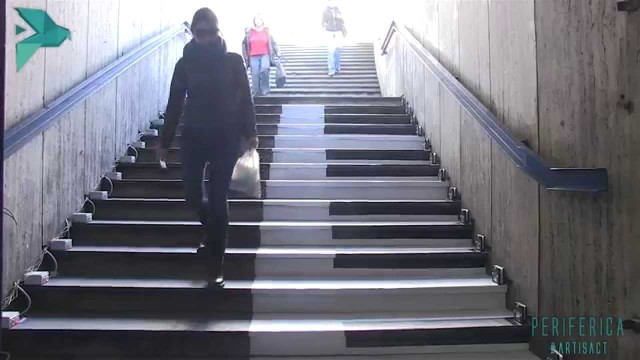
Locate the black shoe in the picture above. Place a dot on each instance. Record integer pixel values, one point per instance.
(217, 283)
(215, 276)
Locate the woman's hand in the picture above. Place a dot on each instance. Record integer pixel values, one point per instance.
(252, 143)
(247, 145)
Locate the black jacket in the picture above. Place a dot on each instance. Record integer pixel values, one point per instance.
(218, 100)
(332, 20)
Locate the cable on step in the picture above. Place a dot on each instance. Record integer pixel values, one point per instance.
(55, 261)
(26, 295)
(11, 296)
(135, 151)
(65, 232)
(110, 185)
(37, 264)
(13, 293)
(6, 355)
(87, 200)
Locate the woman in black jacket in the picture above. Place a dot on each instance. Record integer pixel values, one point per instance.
(219, 124)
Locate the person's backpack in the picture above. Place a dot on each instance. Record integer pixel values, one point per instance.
(281, 73)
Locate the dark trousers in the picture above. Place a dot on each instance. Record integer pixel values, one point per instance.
(213, 211)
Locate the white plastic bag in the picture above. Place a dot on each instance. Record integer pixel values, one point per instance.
(246, 175)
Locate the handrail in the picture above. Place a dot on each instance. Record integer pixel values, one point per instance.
(564, 179)
(18, 136)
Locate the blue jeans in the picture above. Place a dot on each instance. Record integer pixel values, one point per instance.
(260, 74)
(334, 60)
(335, 39)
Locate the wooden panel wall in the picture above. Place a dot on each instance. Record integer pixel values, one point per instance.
(590, 242)
(128, 84)
(574, 98)
(100, 120)
(490, 46)
(28, 98)
(475, 146)
(22, 175)
(514, 203)
(450, 115)
(46, 180)
(22, 188)
(431, 31)
(627, 174)
(167, 53)
(151, 25)
(63, 152)
(429, 25)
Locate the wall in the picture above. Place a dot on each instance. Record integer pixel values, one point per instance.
(585, 80)
(47, 179)
(560, 75)
(502, 73)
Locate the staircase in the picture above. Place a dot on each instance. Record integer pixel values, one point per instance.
(355, 252)
(307, 72)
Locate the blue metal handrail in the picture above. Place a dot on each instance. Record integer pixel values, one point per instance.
(18, 136)
(564, 179)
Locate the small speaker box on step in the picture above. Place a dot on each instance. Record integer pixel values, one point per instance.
(127, 159)
(36, 278)
(81, 218)
(150, 132)
(10, 319)
(60, 244)
(99, 195)
(139, 144)
(116, 176)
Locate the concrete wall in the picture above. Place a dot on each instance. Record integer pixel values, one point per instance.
(46, 180)
(562, 75)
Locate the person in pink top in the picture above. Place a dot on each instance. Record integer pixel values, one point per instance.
(259, 51)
